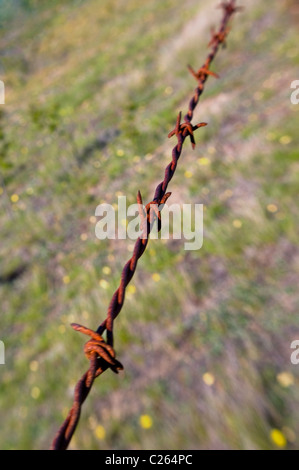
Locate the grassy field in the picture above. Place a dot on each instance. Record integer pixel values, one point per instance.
(92, 90)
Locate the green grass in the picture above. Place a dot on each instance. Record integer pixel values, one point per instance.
(83, 81)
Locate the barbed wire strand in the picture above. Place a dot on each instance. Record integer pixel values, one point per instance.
(99, 352)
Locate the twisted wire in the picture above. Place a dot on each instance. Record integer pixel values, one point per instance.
(100, 353)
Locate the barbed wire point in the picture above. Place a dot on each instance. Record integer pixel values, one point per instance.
(218, 38)
(202, 73)
(98, 347)
(229, 7)
(185, 129)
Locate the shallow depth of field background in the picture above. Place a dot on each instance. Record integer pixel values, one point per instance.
(92, 90)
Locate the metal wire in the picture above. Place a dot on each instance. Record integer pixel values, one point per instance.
(99, 352)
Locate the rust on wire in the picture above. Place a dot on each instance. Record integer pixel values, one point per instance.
(185, 129)
(100, 353)
(202, 73)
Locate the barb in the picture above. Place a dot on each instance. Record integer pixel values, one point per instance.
(99, 352)
(185, 129)
(202, 73)
(218, 38)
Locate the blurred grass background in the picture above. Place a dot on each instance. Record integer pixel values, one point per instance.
(92, 89)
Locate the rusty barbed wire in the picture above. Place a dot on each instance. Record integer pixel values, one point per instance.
(99, 352)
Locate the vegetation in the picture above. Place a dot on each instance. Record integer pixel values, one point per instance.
(92, 90)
